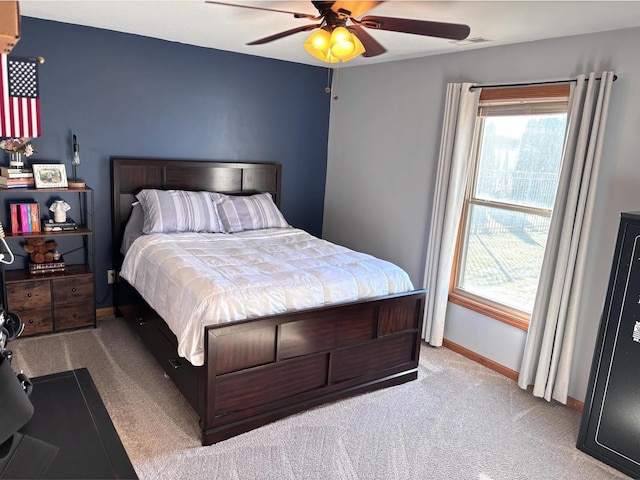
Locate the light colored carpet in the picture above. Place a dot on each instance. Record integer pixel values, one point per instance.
(459, 420)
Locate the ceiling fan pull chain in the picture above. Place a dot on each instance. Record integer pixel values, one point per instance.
(327, 89)
(334, 83)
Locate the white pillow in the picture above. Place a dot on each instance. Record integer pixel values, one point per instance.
(168, 211)
(238, 213)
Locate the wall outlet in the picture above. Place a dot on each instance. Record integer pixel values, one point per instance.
(111, 276)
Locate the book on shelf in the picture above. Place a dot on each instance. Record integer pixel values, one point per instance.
(51, 226)
(36, 271)
(48, 267)
(25, 217)
(13, 175)
(16, 172)
(34, 214)
(15, 228)
(49, 270)
(17, 182)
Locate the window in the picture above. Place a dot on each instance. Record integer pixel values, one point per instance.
(509, 201)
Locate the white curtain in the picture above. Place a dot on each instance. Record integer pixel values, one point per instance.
(549, 347)
(461, 107)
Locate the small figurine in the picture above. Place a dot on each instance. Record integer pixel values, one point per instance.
(59, 209)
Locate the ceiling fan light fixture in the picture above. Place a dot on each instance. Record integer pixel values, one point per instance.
(317, 45)
(333, 46)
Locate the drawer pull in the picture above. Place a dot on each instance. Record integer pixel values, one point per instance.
(175, 363)
(73, 289)
(29, 295)
(141, 321)
(31, 321)
(75, 315)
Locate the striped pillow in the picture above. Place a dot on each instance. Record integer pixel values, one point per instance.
(237, 213)
(168, 211)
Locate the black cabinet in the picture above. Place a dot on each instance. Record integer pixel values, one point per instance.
(610, 426)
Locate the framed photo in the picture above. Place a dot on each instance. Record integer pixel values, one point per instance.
(52, 175)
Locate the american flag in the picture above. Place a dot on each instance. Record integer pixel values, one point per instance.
(19, 98)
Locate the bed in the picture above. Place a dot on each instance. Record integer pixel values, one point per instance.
(257, 369)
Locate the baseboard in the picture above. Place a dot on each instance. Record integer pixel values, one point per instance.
(484, 361)
(572, 403)
(105, 312)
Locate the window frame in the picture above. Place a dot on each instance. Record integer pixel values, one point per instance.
(527, 95)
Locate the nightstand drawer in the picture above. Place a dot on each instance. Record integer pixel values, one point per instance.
(28, 295)
(74, 315)
(36, 320)
(72, 290)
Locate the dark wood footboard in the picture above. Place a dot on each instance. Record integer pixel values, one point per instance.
(262, 370)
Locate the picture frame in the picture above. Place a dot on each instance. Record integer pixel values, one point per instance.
(50, 175)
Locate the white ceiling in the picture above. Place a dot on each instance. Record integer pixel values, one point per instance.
(230, 28)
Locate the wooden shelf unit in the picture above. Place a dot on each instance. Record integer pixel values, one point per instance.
(53, 301)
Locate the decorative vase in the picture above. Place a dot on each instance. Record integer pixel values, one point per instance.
(16, 160)
(59, 209)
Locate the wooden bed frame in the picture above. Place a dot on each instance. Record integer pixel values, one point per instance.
(257, 371)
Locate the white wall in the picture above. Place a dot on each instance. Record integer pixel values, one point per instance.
(387, 123)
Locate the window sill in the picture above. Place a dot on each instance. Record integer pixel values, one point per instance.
(515, 319)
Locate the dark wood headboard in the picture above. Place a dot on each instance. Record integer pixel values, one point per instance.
(130, 175)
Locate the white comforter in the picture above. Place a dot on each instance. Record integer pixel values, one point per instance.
(198, 279)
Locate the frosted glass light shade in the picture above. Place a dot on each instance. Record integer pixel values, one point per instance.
(317, 44)
(356, 50)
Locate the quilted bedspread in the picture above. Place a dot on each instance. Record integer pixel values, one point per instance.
(198, 279)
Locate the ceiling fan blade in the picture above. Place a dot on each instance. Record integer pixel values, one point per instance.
(277, 36)
(354, 8)
(454, 31)
(371, 45)
(295, 14)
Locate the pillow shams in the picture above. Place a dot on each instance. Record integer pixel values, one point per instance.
(238, 213)
(167, 211)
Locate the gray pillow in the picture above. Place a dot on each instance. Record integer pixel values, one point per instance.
(238, 213)
(168, 211)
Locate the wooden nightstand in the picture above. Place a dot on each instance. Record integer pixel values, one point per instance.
(55, 301)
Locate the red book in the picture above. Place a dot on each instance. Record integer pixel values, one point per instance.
(15, 223)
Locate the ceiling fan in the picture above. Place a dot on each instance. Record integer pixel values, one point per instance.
(334, 40)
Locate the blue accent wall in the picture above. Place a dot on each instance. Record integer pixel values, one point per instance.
(128, 95)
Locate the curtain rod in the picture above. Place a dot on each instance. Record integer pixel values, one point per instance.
(526, 84)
